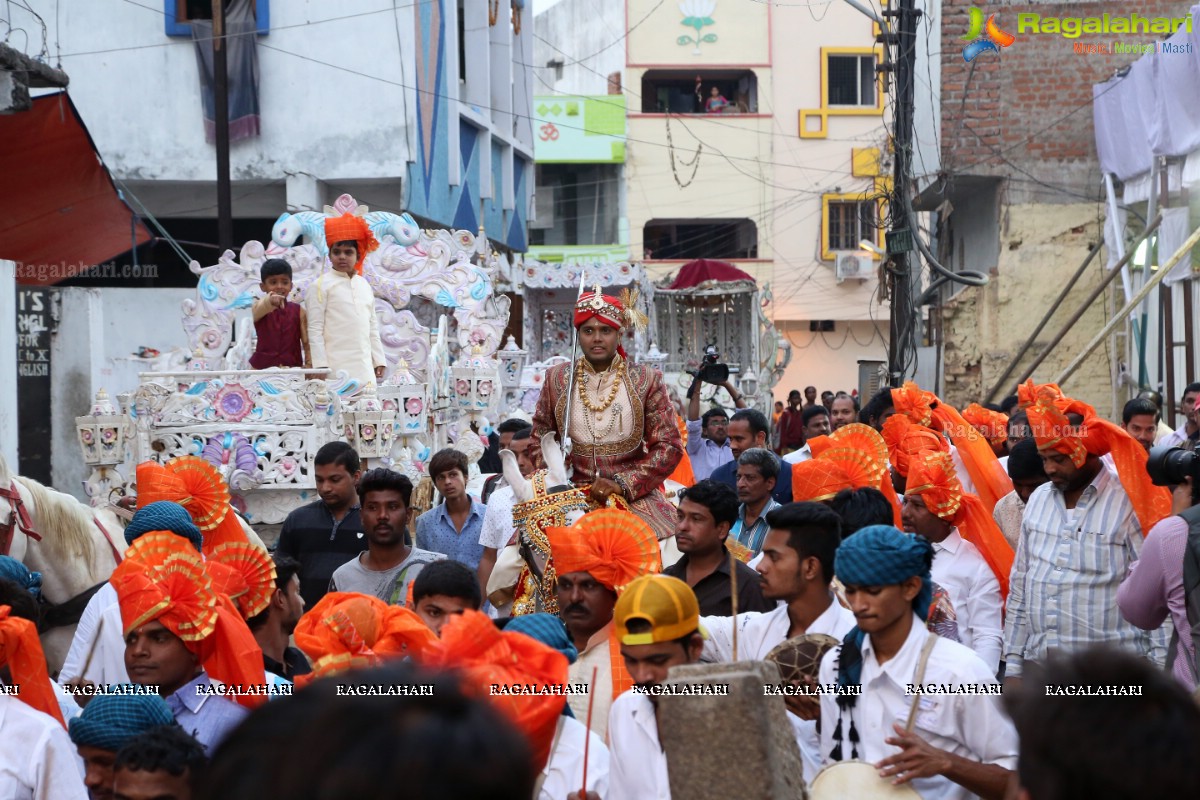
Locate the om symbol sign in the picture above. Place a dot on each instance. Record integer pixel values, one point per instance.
(548, 132)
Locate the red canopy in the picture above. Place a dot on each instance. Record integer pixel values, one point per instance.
(703, 270)
(60, 213)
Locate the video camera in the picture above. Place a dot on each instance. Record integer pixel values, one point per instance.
(1171, 466)
(711, 371)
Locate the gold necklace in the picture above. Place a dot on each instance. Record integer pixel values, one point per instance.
(612, 392)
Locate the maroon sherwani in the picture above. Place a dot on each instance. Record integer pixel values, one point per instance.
(633, 441)
(278, 339)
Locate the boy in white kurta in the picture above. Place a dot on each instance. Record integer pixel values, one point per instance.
(343, 331)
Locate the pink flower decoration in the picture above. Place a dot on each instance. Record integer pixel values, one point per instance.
(86, 437)
(414, 406)
(108, 435)
(485, 388)
(233, 403)
(287, 466)
(368, 432)
(463, 387)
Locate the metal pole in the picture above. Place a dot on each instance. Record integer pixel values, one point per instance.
(903, 325)
(1184, 250)
(221, 103)
(1012, 364)
(1112, 274)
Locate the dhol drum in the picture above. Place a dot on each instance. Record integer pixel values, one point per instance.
(799, 658)
(858, 780)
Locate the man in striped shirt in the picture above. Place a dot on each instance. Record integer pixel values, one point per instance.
(757, 472)
(1079, 535)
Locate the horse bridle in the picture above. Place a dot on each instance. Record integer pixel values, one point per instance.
(18, 518)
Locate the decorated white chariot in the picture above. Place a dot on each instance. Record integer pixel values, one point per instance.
(440, 323)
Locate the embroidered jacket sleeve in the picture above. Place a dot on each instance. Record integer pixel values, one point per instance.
(664, 446)
(544, 417)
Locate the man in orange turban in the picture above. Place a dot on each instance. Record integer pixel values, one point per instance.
(519, 675)
(1079, 534)
(343, 331)
(853, 457)
(347, 630)
(179, 640)
(992, 424)
(594, 560)
(971, 557)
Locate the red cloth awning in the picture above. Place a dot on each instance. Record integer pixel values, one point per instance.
(59, 213)
(703, 270)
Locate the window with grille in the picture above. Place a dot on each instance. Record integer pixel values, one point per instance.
(851, 80)
(851, 222)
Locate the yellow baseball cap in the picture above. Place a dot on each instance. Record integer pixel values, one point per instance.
(667, 603)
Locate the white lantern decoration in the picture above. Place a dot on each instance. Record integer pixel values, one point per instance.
(475, 380)
(410, 399)
(655, 357)
(512, 363)
(749, 384)
(102, 433)
(368, 426)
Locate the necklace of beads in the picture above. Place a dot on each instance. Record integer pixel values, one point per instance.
(608, 429)
(612, 392)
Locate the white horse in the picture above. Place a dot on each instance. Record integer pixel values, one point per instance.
(74, 553)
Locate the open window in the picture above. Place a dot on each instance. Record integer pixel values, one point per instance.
(850, 79)
(683, 239)
(692, 92)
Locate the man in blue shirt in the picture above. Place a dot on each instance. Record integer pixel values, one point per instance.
(749, 428)
(453, 527)
(708, 436)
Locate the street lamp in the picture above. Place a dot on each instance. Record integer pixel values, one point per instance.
(368, 426)
(101, 435)
(512, 366)
(655, 357)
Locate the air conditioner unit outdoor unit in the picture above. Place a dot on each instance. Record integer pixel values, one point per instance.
(851, 266)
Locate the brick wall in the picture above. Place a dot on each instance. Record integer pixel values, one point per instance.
(1032, 100)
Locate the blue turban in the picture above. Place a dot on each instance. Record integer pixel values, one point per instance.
(878, 555)
(547, 629)
(109, 721)
(13, 570)
(163, 515)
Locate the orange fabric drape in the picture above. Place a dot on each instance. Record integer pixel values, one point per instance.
(21, 652)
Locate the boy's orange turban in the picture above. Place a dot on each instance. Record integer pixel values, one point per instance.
(349, 228)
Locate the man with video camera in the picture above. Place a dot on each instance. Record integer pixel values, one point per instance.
(708, 439)
(1166, 577)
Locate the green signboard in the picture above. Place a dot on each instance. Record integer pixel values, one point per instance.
(573, 129)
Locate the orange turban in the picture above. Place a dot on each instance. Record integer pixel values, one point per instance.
(21, 652)
(349, 228)
(859, 453)
(1029, 392)
(347, 630)
(992, 424)
(924, 408)
(197, 486)
(612, 545)
(245, 574)
(162, 579)
(906, 439)
(1052, 430)
(483, 656)
(932, 478)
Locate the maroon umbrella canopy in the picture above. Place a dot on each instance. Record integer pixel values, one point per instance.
(703, 270)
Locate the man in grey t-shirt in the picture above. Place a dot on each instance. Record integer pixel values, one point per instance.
(387, 567)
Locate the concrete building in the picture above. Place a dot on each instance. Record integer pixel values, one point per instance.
(1017, 193)
(422, 107)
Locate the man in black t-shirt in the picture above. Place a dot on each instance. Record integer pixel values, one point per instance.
(273, 626)
(327, 533)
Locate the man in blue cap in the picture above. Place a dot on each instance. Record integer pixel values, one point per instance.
(99, 627)
(106, 725)
(960, 742)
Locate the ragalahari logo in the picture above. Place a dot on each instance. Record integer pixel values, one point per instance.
(983, 37)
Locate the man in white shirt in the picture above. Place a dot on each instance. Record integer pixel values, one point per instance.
(37, 761)
(816, 423)
(936, 507)
(657, 622)
(961, 744)
(1079, 534)
(498, 530)
(1187, 433)
(796, 570)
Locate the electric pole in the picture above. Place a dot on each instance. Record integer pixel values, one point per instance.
(221, 120)
(905, 279)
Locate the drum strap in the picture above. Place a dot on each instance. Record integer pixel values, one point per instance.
(930, 641)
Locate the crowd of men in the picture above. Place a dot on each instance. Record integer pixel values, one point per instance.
(989, 558)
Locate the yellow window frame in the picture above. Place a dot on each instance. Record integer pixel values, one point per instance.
(826, 111)
(848, 197)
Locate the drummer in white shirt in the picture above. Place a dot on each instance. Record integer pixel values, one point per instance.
(796, 570)
(962, 745)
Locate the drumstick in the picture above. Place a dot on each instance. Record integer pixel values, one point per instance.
(588, 738)
(92, 649)
(733, 596)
